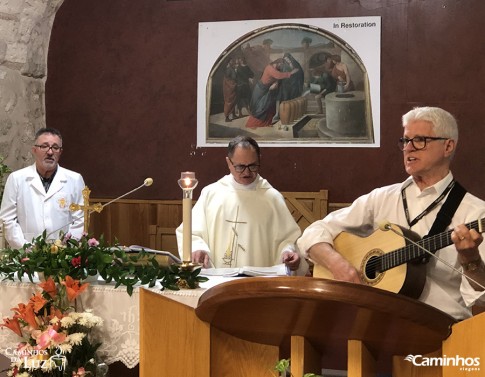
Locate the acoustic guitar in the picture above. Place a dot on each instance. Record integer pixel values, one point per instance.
(387, 261)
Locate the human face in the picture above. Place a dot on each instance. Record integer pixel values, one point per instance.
(430, 164)
(243, 156)
(46, 161)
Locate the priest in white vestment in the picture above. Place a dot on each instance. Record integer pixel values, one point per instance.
(241, 220)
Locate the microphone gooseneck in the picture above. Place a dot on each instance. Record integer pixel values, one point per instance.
(146, 182)
(386, 226)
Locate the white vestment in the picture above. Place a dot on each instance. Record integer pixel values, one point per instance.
(242, 225)
(27, 210)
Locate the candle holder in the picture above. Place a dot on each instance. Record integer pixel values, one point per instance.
(187, 183)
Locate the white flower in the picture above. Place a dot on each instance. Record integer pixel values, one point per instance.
(76, 338)
(67, 322)
(75, 315)
(23, 374)
(85, 319)
(65, 348)
(98, 321)
(89, 320)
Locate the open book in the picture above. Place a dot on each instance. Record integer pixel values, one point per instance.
(137, 249)
(277, 270)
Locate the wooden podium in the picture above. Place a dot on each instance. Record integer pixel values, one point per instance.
(244, 326)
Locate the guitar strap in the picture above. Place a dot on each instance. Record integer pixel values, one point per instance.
(445, 214)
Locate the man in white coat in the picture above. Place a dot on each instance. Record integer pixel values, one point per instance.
(37, 197)
(241, 220)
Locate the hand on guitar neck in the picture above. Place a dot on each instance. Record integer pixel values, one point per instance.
(466, 242)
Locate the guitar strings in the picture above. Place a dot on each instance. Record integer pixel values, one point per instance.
(411, 252)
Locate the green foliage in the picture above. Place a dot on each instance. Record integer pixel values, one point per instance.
(283, 366)
(90, 257)
(179, 276)
(4, 170)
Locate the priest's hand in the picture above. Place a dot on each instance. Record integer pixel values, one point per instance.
(291, 260)
(202, 257)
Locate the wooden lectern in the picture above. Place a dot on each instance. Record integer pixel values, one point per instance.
(244, 326)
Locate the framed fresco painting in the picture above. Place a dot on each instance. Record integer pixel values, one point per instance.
(292, 83)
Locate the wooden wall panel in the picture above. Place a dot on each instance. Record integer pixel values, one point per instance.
(129, 221)
(140, 222)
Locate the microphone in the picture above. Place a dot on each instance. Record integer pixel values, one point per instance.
(386, 226)
(147, 182)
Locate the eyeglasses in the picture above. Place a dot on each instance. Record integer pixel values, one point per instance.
(44, 148)
(418, 142)
(241, 168)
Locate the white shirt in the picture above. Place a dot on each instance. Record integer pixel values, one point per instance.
(242, 225)
(444, 289)
(27, 210)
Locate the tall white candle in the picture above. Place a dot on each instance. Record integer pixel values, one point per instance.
(187, 182)
(187, 224)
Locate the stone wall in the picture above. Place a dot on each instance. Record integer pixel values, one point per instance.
(25, 29)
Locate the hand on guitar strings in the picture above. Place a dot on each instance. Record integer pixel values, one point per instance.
(323, 253)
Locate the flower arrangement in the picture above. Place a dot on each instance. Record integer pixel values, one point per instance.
(88, 257)
(56, 341)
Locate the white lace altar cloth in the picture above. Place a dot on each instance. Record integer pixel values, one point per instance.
(120, 333)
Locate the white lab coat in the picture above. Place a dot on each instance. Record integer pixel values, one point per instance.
(27, 210)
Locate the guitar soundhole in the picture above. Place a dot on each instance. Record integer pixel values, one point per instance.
(370, 268)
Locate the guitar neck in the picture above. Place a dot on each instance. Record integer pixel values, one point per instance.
(412, 252)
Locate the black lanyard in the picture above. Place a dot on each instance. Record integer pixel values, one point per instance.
(427, 210)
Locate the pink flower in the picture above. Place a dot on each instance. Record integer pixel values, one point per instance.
(93, 242)
(67, 237)
(25, 259)
(49, 338)
(79, 373)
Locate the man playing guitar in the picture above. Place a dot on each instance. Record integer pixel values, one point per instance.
(428, 144)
